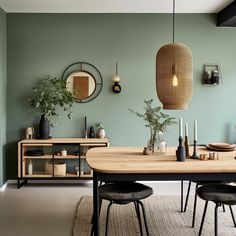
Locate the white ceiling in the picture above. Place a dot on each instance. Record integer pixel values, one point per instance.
(113, 6)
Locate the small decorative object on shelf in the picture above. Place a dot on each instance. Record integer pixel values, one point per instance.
(195, 155)
(91, 132)
(116, 88)
(64, 152)
(76, 169)
(29, 132)
(30, 167)
(101, 131)
(146, 151)
(156, 121)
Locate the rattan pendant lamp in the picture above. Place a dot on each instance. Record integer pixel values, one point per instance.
(174, 73)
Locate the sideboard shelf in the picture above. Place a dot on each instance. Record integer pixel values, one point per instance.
(47, 160)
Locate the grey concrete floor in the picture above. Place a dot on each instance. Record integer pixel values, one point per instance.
(40, 210)
(48, 210)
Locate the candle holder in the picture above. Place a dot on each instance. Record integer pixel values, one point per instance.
(194, 156)
(186, 145)
(180, 152)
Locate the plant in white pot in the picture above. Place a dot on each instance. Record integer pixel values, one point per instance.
(101, 131)
(50, 96)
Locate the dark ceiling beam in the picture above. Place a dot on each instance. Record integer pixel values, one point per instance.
(227, 16)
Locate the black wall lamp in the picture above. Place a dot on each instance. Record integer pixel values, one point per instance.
(211, 74)
(116, 88)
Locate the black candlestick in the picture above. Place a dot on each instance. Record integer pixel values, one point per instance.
(85, 127)
(180, 152)
(186, 144)
(194, 156)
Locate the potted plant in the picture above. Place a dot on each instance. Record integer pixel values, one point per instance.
(49, 97)
(156, 121)
(101, 131)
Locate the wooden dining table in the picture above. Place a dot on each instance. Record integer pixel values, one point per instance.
(129, 164)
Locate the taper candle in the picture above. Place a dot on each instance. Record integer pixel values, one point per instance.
(186, 129)
(85, 122)
(195, 130)
(180, 127)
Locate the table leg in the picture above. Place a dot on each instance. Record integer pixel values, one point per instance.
(95, 204)
(182, 195)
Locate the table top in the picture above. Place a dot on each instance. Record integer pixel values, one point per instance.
(121, 160)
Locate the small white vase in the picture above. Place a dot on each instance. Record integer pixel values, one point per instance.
(101, 133)
(30, 168)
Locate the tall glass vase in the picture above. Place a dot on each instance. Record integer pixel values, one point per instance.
(161, 143)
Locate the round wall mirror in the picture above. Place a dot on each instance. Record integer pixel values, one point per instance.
(83, 80)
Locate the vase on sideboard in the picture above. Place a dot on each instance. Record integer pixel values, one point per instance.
(101, 133)
(44, 128)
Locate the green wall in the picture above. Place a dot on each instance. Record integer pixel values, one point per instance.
(41, 44)
(3, 94)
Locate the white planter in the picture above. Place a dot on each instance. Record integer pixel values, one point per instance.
(101, 133)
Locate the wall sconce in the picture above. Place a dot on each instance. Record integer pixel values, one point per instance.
(116, 88)
(211, 74)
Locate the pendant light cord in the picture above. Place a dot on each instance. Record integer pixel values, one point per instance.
(173, 21)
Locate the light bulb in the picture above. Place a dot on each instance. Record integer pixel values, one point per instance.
(116, 78)
(174, 81)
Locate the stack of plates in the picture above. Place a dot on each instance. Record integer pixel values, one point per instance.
(34, 153)
(221, 147)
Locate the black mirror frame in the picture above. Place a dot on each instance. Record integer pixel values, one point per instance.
(91, 70)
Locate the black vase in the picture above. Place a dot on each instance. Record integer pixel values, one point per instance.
(44, 128)
(91, 132)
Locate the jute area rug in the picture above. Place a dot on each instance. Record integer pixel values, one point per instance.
(163, 216)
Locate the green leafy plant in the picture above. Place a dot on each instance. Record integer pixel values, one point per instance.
(100, 125)
(49, 96)
(155, 120)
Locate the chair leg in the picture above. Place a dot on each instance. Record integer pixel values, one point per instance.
(216, 219)
(194, 206)
(144, 216)
(187, 196)
(203, 218)
(136, 205)
(223, 206)
(232, 214)
(107, 218)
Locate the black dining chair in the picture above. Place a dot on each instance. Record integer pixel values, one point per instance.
(125, 193)
(219, 194)
(198, 183)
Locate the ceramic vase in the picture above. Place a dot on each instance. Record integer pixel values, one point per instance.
(44, 128)
(101, 133)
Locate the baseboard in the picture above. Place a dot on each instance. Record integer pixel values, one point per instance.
(3, 187)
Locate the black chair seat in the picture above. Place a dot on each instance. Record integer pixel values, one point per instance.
(120, 192)
(218, 193)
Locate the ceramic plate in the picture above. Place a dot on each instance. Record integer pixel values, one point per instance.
(222, 145)
(220, 149)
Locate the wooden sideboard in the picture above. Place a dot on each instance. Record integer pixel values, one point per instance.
(55, 158)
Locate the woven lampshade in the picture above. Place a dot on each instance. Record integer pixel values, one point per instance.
(174, 59)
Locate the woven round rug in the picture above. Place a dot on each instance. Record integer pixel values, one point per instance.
(163, 217)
